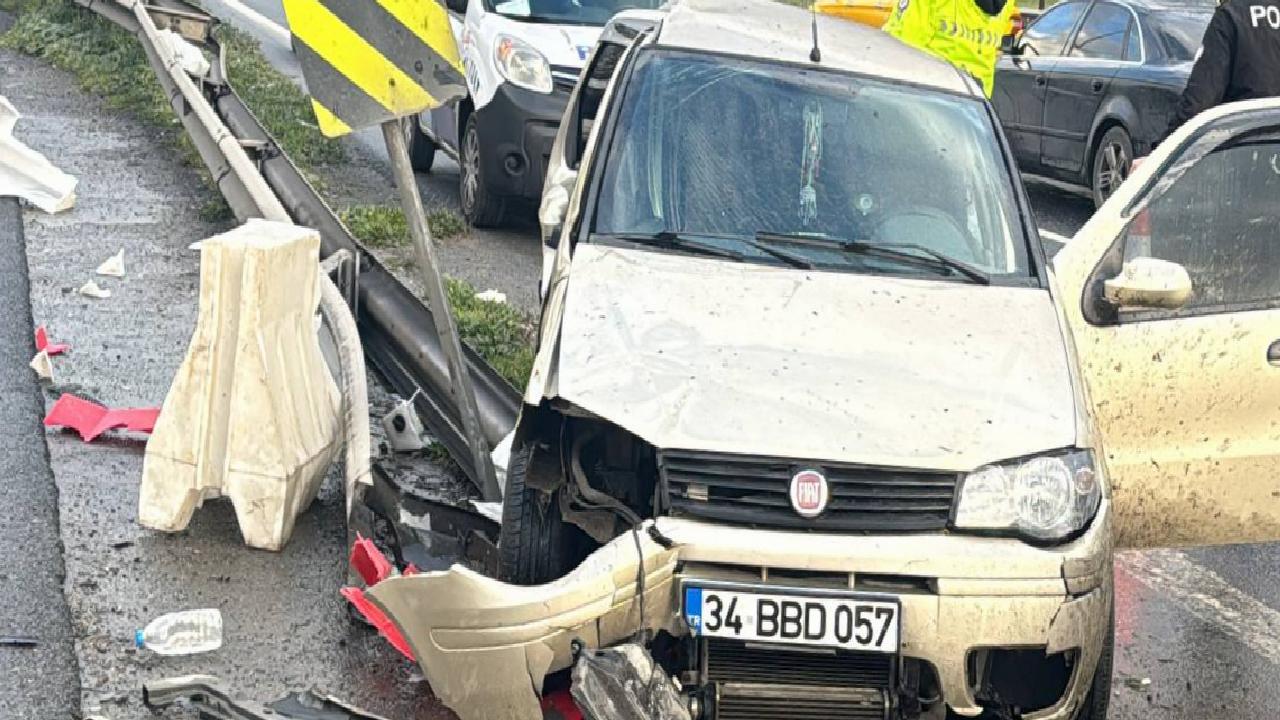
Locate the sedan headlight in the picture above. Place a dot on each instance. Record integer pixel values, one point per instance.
(1049, 497)
(522, 65)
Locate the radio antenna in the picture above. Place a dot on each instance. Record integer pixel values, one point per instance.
(815, 55)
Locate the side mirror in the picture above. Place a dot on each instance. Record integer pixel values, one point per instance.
(458, 6)
(1146, 282)
(1011, 45)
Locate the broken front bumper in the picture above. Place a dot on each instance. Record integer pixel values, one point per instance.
(485, 646)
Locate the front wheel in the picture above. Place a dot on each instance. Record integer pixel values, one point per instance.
(1112, 161)
(535, 544)
(480, 207)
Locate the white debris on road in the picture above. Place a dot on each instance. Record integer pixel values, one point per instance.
(493, 296)
(113, 266)
(42, 365)
(93, 290)
(26, 174)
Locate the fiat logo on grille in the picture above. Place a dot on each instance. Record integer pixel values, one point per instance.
(809, 493)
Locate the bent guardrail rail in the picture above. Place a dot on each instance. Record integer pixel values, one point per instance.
(397, 330)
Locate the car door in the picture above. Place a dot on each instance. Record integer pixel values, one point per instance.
(1185, 396)
(1021, 80)
(1080, 81)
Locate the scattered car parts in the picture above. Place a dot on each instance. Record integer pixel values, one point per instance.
(211, 699)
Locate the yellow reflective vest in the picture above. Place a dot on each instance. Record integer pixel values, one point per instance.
(957, 31)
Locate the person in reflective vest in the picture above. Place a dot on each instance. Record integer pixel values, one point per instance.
(966, 33)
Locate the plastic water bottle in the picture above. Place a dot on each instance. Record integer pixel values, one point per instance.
(182, 633)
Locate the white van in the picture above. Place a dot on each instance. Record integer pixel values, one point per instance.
(522, 60)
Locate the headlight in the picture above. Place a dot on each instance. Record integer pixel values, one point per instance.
(1044, 498)
(522, 65)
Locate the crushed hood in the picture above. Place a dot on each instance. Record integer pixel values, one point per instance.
(699, 353)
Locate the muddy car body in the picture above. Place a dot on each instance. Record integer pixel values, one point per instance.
(880, 478)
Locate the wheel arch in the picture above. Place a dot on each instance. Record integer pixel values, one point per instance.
(1117, 110)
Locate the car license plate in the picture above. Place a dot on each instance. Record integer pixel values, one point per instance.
(850, 622)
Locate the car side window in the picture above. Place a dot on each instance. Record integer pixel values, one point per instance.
(1221, 221)
(594, 83)
(1133, 45)
(1103, 34)
(1047, 36)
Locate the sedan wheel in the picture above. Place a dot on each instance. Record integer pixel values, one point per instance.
(1112, 161)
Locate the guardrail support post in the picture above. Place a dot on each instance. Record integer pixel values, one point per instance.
(463, 392)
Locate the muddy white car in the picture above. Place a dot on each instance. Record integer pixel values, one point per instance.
(814, 418)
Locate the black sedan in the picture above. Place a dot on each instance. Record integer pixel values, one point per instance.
(1092, 84)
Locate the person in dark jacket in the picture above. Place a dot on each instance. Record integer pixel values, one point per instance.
(1240, 59)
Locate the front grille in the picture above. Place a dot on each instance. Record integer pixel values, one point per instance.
(564, 78)
(735, 661)
(756, 491)
(773, 702)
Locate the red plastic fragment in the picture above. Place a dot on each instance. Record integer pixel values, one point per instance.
(42, 343)
(369, 561)
(561, 704)
(378, 619)
(90, 419)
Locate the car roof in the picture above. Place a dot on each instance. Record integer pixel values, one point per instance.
(770, 30)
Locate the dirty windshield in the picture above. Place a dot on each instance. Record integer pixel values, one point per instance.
(569, 12)
(775, 164)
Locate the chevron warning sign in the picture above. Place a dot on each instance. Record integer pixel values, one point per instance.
(369, 61)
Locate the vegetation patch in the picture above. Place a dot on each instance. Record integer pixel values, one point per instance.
(384, 226)
(501, 334)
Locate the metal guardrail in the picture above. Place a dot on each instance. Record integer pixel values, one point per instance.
(397, 329)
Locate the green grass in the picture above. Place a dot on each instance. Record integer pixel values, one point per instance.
(384, 226)
(501, 334)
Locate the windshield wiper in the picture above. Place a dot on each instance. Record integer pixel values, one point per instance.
(906, 253)
(672, 241)
(689, 242)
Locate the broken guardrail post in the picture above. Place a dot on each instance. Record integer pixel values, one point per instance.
(463, 391)
(420, 71)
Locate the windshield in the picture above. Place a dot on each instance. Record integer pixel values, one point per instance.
(740, 153)
(1181, 33)
(569, 12)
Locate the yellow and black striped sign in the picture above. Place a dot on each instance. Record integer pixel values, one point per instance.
(368, 61)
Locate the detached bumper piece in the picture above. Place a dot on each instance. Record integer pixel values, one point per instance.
(210, 699)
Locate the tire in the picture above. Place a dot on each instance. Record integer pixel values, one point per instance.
(422, 151)
(1111, 163)
(1099, 699)
(480, 207)
(535, 545)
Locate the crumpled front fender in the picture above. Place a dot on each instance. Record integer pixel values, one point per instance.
(485, 646)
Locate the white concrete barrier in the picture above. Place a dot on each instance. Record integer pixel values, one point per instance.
(253, 413)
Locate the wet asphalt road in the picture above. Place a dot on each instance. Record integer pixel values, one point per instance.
(1203, 626)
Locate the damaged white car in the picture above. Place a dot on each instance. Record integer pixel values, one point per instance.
(814, 419)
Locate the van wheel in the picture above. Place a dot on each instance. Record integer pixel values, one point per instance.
(1112, 161)
(535, 545)
(422, 152)
(1099, 699)
(480, 207)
